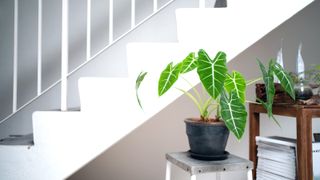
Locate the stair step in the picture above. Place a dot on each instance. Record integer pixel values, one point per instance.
(100, 94)
(237, 27)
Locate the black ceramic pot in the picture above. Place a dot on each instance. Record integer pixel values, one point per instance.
(207, 141)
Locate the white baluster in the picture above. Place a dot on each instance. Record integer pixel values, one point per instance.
(202, 3)
(110, 21)
(64, 55)
(249, 174)
(88, 30)
(168, 170)
(193, 177)
(15, 57)
(133, 14)
(155, 6)
(39, 55)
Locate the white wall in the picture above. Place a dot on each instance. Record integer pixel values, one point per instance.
(141, 155)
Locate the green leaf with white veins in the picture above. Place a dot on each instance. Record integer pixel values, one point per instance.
(233, 113)
(269, 85)
(189, 63)
(285, 79)
(237, 83)
(168, 77)
(140, 78)
(212, 73)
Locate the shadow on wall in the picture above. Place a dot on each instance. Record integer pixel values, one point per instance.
(141, 154)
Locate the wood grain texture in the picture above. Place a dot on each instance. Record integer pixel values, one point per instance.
(254, 130)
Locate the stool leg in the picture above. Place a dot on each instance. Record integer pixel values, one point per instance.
(249, 175)
(168, 171)
(193, 177)
(218, 176)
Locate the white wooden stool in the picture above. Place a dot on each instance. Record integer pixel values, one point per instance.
(195, 167)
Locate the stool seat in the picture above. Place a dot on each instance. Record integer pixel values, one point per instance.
(195, 167)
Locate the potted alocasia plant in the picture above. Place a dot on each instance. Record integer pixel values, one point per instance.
(226, 91)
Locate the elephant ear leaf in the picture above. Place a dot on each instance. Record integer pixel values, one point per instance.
(168, 77)
(237, 83)
(285, 79)
(269, 85)
(266, 106)
(233, 113)
(189, 63)
(140, 78)
(212, 73)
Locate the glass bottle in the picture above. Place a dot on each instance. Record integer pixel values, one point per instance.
(303, 90)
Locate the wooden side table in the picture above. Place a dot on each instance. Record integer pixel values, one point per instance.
(303, 115)
(195, 167)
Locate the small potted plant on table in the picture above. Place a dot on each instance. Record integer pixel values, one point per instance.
(312, 82)
(225, 95)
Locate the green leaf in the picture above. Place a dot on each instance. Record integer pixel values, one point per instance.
(233, 113)
(285, 79)
(189, 63)
(168, 77)
(268, 108)
(212, 73)
(269, 85)
(195, 101)
(270, 82)
(236, 82)
(140, 78)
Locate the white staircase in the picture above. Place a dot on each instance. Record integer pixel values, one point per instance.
(65, 141)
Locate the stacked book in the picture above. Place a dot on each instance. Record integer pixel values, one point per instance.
(276, 158)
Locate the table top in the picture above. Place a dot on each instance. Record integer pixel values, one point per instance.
(287, 105)
(286, 109)
(194, 166)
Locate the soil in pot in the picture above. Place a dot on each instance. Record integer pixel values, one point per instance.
(207, 140)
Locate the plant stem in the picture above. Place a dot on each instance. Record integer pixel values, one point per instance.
(214, 108)
(218, 107)
(249, 82)
(248, 101)
(193, 99)
(206, 105)
(194, 90)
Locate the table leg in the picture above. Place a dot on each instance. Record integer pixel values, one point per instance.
(254, 130)
(249, 175)
(304, 144)
(168, 170)
(218, 176)
(193, 177)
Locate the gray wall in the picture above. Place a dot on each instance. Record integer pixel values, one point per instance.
(27, 52)
(140, 155)
(6, 56)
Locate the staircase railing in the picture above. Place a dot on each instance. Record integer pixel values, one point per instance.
(64, 47)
